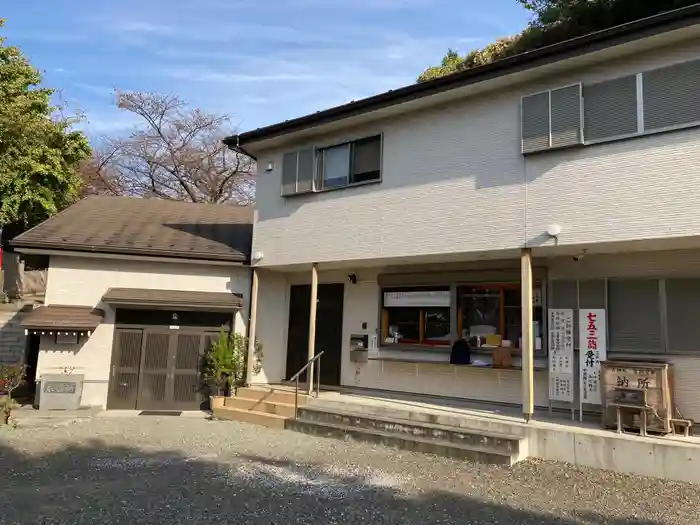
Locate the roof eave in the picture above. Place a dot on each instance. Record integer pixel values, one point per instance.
(49, 249)
(233, 143)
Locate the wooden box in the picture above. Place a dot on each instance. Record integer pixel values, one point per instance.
(501, 357)
(650, 380)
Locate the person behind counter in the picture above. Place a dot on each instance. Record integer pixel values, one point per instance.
(461, 353)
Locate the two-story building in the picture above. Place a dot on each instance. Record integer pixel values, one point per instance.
(467, 206)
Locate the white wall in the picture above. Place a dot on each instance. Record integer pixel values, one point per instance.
(454, 181)
(271, 325)
(362, 304)
(83, 281)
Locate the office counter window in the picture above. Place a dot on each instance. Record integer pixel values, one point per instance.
(416, 316)
(494, 312)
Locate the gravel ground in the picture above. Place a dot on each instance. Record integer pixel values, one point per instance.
(176, 470)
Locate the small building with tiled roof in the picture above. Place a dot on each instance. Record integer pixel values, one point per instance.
(137, 289)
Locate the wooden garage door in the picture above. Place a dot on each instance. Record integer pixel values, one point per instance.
(158, 369)
(126, 362)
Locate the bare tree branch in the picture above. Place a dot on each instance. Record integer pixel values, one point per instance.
(177, 153)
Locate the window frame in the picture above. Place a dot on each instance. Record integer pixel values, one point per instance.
(296, 153)
(317, 175)
(642, 131)
(319, 152)
(549, 97)
(455, 311)
(640, 111)
(502, 287)
(411, 344)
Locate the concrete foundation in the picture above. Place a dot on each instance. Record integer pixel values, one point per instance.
(581, 444)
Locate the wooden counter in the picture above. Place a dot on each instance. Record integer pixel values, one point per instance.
(432, 357)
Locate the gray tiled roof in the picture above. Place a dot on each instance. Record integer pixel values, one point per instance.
(153, 227)
(65, 317)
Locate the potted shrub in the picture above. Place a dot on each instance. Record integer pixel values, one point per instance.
(11, 378)
(225, 366)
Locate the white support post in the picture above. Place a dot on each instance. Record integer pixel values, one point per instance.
(252, 326)
(312, 325)
(526, 345)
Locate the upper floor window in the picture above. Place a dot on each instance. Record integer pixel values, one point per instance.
(658, 100)
(552, 119)
(334, 167)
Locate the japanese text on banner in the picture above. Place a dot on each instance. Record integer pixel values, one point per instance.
(561, 355)
(593, 350)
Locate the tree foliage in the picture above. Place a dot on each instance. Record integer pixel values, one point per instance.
(554, 21)
(175, 153)
(39, 150)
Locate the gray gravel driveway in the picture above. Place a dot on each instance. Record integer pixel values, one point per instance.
(177, 470)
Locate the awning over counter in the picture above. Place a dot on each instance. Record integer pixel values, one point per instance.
(172, 299)
(60, 317)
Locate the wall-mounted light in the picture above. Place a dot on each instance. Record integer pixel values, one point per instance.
(270, 166)
(553, 230)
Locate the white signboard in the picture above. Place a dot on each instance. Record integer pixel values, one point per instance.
(592, 350)
(561, 355)
(424, 298)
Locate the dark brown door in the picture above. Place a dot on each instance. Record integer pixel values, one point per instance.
(124, 376)
(158, 369)
(329, 330)
(298, 329)
(155, 382)
(187, 382)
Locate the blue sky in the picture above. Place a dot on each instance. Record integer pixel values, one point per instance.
(260, 61)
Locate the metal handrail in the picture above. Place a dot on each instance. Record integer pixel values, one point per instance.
(295, 377)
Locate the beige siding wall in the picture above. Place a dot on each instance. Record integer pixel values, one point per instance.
(362, 304)
(677, 263)
(83, 282)
(271, 325)
(454, 181)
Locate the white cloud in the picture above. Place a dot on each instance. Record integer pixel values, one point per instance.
(204, 75)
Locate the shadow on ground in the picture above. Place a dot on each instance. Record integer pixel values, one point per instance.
(97, 483)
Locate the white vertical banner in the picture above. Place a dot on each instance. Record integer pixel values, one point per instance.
(561, 355)
(592, 350)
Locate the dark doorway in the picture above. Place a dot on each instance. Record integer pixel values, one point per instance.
(31, 358)
(329, 330)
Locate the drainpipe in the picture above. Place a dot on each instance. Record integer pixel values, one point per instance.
(312, 326)
(252, 321)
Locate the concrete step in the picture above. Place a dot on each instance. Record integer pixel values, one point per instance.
(268, 407)
(488, 441)
(250, 416)
(271, 395)
(403, 441)
(471, 420)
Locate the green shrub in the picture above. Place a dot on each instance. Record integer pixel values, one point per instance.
(225, 362)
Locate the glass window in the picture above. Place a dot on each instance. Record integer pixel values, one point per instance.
(366, 159)
(481, 312)
(416, 316)
(404, 324)
(495, 309)
(336, 166)
(437, 326)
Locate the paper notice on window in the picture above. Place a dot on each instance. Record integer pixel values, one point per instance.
(561, 355)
